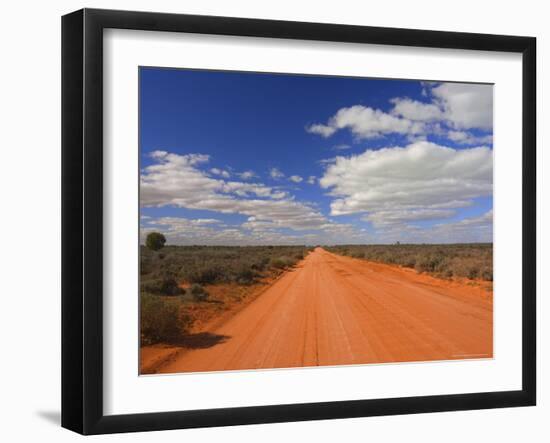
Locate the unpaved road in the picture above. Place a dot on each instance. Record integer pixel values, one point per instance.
(334, 310)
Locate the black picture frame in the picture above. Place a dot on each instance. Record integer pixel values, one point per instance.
(82, 218)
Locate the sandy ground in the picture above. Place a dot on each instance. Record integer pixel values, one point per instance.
(333, 310)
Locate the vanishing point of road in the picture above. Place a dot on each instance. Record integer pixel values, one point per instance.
(333, 310)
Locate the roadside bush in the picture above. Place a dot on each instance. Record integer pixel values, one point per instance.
(161, 321)
(197, 292)
(161, 286)
(281, 262)
(428, 263)
(260, 265)
(409, 262)
(207, 276)
(245, 276)
(445, 273)
(472, 272)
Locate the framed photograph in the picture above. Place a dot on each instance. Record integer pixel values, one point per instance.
(269, 221)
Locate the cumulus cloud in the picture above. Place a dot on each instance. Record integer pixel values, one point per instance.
(311, 179)
(273, 216)
(186, 231)
(466, 105)
(365, 122)
(466, 138)
(177, 180)
(409, 182)
(472, 229)
(295, 178)
(468, 230)
(320, 129)
(415, 110)
(458, 106)
(384, 218)
(221, 172)
(247, 175)
(276, 173)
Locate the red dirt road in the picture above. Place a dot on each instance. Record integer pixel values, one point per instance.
(333, 310)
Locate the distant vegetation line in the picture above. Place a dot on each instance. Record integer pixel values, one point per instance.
(466, 260)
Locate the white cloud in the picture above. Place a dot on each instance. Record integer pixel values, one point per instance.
(185, 231)
(420, 177)
(467, 230)
(466, 105)
(295, 178)
(221, 172)
(365, 122)
(482, 220)
(276, 173)
(415, 110)
(320, 129)
(206, 221)
(247, 175)
(466, 138)
(383, 218)
(473, 229)
(246, 189)
(176, 180)
(311, 179)
(460, 106)
(275, 218)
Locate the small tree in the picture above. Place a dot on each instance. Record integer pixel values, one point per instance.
(155, 241)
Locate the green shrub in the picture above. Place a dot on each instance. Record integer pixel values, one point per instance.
(472, 272)
(197, 292)
(277, 263)
(428, 263)
(155, 241)
(260, 265)
(409, 262)
(161, 321)
(161, 286)
(207, 276)
(281, 262)
(245, 276)
(299, 255)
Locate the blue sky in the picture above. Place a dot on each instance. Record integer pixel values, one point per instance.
(252, 158)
